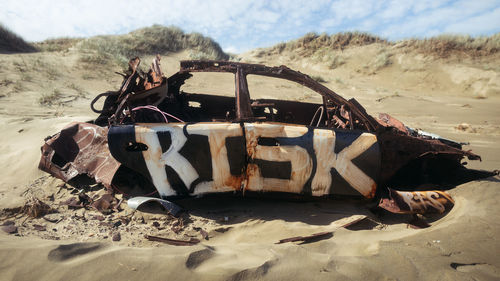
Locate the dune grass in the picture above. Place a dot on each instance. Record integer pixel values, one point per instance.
(312, 42)
(382, 60)
(326, 48)
(57, 44)
(446, 45)
(51, 98)
(147, 41)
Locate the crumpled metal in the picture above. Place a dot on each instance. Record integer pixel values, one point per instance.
(80, 148)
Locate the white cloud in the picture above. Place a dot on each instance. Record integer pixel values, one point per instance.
(239, 25)
(483, 23)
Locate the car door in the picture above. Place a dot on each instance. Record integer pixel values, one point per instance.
(183, 158)
(301, 159)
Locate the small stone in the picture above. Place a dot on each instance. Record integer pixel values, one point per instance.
(39, 227)
(10, 229)
(117, 236)
(99, 217)
(54, 218)
(204, 234)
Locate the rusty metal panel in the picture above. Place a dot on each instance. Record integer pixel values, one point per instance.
(280, 157)
(417, 202)
(183, 159)
(189, 159)
(80, 148)
(318, 162)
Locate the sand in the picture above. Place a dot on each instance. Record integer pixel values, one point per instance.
(436, 95)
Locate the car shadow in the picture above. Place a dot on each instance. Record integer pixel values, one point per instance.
(233, 209)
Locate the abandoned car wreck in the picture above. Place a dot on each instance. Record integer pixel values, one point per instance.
(153, 134)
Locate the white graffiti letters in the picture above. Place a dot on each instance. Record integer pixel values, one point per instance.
(324, 143)
(279, 157)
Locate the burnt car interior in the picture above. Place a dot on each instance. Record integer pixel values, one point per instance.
(334, 112)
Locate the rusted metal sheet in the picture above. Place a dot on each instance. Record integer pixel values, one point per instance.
(80, 148)
(183, 159)
(174, 242)
(304, 160)
(190, 159)
(388, 121)
(417, 202)
(397, 150)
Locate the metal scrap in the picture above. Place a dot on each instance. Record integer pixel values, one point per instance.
(80, 148)
(136, 202)
(175, 242)
(315, 236)
(105, 204)
(35, 208)
(417, 202)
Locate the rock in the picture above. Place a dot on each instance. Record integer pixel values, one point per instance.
(204, 234)
(8, 223)
(54, 218)
(10, 229)
(39, 227)
(117, 236)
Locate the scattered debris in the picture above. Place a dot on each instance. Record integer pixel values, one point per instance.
(74, 203)
(39, 227)
(105, 204)
(136, 202)
(315, 236)
(190, 242)
(35, 208)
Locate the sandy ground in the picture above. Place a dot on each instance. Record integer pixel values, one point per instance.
(423, 92)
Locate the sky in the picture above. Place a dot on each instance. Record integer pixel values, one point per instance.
(240, 26)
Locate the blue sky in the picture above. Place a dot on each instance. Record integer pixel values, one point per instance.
(243, 25)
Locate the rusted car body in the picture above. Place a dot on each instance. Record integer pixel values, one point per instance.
(240, 144)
